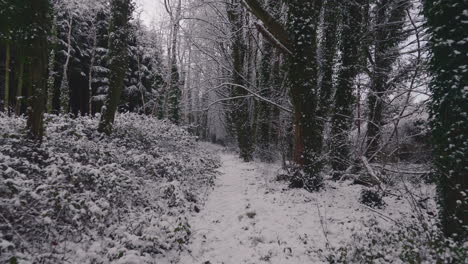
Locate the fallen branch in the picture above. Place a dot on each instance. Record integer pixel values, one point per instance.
(371, 171)
(403, 172)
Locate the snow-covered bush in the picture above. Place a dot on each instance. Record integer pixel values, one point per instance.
(81, 197)
(410, 143)
(294, 174)
(371, 198)
(404, 243)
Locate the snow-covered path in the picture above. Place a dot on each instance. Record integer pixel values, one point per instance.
(244, 221)
(251, 218)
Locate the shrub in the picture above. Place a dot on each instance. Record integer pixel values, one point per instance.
(87, 198)
(404, 243)
(371, 198)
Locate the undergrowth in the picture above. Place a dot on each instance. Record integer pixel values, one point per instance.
(81, 197)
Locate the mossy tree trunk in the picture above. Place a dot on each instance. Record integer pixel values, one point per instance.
(303, 22)
(64, 84)
(6, 104)
(390, 19)
(344, 98)
(449, 110)
(174, 90)
(328, 51)
(264, 110)
(38, 52)
(19, 88)
(240, 111)
(121, 11)
(51, 78)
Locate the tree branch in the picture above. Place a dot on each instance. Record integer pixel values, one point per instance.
(271, 24)
(268, 36)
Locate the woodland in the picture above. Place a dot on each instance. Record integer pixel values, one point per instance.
(234, 131)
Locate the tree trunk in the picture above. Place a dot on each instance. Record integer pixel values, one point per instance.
(265, 115)
(19, 89)
(188, 88)
(7, 79)
(303, 73)
(64, 85)
(121, 11)
(240, 111)
(329, 47)
(38, 69)
(344, 99)
(51, 79)
(389, 24)
(91, 70)
(449, 111)
(174, 92)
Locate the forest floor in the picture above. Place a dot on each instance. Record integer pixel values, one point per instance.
(250, 217)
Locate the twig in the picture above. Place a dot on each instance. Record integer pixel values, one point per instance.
(385, 217)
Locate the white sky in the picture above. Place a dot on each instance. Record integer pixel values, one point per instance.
(151, 10)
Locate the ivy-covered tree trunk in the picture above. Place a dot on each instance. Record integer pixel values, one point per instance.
(19, 87)
(7, 78)
(51, 79)
(100, 78)
(91, 67)
(121, 11)
(240, 111)
(265, 115)
(303, 20)
(329, 46)
(449, 110)
(344, 99)
(64, 84)
(174, 91)
(389, 23)
(38, 52)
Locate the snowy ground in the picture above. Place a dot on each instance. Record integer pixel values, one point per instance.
(251, 218)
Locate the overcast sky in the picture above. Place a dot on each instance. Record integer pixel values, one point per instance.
(151, 10)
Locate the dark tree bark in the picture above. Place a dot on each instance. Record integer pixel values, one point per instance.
(344, 99)
(19, 88)
(300, 40)
(390, 19)
(38, 67)
(303, 20)
(329, 47)
(265, 111)
(271, 23)
(240, 111)
(174, 90)
(6, 104)
(121, 11)
(51, 78)
(449, 110)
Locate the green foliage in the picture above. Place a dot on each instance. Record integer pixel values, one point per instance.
(20, 21)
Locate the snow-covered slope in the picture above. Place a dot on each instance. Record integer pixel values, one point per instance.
(82, 197)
